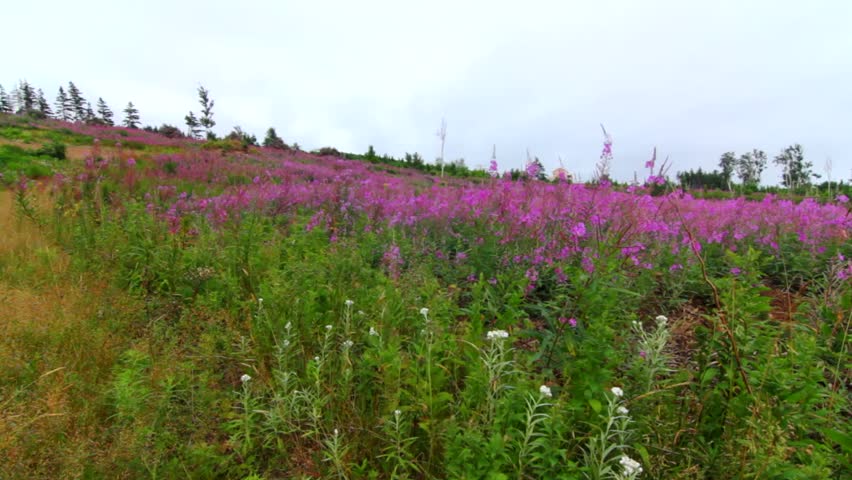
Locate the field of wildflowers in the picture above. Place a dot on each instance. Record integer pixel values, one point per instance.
(258, 313)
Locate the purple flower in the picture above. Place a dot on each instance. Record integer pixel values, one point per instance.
(842, 198)
(735, 271)
(579, 230)
(572, 322)
(643, 354)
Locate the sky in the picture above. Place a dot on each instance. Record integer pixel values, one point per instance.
(693, 79)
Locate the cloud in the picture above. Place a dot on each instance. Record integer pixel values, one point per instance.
(693, 79)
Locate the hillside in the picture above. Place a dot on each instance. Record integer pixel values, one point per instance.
(212, 309)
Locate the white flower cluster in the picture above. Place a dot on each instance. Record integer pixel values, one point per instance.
(545, 391)
(424, 311)
(349, 303)
(622, 410)
(348, 344)
(617, 392)
(630, 466)
(328, 328)
(397, 413)
(373, 332)
(661, 320)
(245, 378)
(497, 334)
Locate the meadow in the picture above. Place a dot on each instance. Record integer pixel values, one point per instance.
(204, 309)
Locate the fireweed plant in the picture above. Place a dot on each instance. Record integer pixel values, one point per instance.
(305, 316)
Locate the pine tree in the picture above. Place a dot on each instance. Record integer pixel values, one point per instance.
(26, 100)
(5, 101)
(104, 112)
(193, 126)
(131, 116)
(272, 140)
(43, 105)
(207, 103)
(90, 114)
(61, 104)
(77, 103)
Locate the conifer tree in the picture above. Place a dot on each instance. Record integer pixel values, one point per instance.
(272, 140)
(77, 103)
(104, 112)
(90, 114)
(42, 104)
(192, 125)
(61, 105)
(131, 116)
(26, 100)
(207, 103)
(5, 101)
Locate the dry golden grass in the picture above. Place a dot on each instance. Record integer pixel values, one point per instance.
(57, 348)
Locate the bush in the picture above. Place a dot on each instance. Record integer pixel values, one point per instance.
(54, 149)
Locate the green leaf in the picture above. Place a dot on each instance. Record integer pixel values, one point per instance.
(595, 404)
(842, 439)
(709, 375)
(643, 454)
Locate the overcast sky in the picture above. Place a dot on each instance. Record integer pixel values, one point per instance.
(693, 78)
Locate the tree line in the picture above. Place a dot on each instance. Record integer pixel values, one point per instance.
(796, 171)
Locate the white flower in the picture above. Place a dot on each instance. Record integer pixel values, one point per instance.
(260, 301)
(630, 466)
(286, 343)
(348, 344)
(373, 332)
(497, 334)
(661, 320)
(288, 326)
(328, 328)
(335, 432)
(397, 413)
(316, 359)
(349, 303)
(622, 411)
(545, 391)
(360, 312)
(617, 392)
(245, 378)
(424, 311)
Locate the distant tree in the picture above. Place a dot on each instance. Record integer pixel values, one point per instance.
(104, 113)
(5, 101)
(193, 127)
(76, 102)
(243, 137)
(371, 153)
(26, 97)
(750, 165)
(42, 104)
(169, 131)
(698, 179)
(91, 118)
(131, 116)
(796, 171)
(272, 140)
(207, 103)
(728, 163)
(62, 103)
